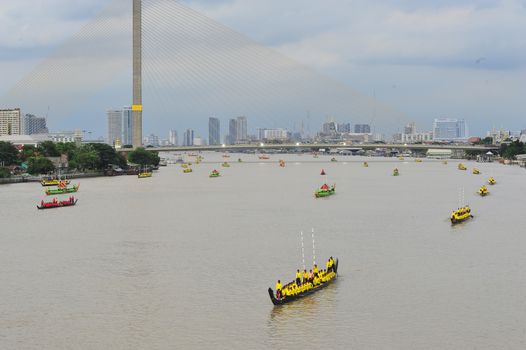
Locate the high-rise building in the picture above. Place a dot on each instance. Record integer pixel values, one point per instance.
(214, 135)
(152, 140)
(127, 126)
(447, 129)
(232, 131)
(362, 129)
(329, 128)
(114, 126)
(273, 134)
(10, 121)
(188, 137)
(34, 125)
(344, 128)
(242, 130)
(410, 129)
(172, 138)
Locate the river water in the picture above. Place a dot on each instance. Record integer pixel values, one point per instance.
(182, 261)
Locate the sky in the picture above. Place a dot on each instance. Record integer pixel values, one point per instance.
(422, 59)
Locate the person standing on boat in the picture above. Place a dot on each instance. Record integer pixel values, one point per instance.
(278, 289)
(315, 269)
(305, 276)
(298, 277)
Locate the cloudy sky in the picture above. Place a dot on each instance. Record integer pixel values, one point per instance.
(424, 59)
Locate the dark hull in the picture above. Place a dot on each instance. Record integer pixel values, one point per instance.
(299, 296)
(456, 221)
(58, 206)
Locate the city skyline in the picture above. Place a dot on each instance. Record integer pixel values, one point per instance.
(423, 84)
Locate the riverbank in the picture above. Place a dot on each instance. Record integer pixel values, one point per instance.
(23, 179)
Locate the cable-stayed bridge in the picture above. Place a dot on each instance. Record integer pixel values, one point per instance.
(184, 67)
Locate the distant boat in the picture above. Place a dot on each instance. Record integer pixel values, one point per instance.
(263, 156)
(322, 172)
(325, 191)
(461, 215)
(62, 190)
(396, 172)
(57, 204)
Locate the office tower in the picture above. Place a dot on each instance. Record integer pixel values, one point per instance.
(127, 126)
(188, 137)
(232, 131)
(10, 121)
(172, 138)
(447, 129)
(362, 129)
(34, 125)
(242, 130)
(344, 128)
(410, 129)
(214, 136)
(114, 125)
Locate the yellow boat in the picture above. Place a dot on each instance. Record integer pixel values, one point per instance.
(396, 172)
(444, 162)
(460, 215)
(476, 171)
(187, 170)
(365, 164)
(461, 167)
(225, 165)
(144, 174)
(400, 158)
(53, 182)
(492, 181)
(418, 160)
(483, 191)
(184, 165)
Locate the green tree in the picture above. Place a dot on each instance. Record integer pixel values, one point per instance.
(4, 173)
(107, 155)
(48, 149)
(40, 165)
(143, 157)
(67, 148)
(85, 158)
(509, 151)
(27, 152)
(8, 153)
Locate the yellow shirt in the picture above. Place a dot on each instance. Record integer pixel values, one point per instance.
(278, 286)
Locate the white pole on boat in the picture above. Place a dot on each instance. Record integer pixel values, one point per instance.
(302, 250)
(313, 249)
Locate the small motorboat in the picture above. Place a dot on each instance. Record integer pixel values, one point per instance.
(225, 165)
(483, 191)
(282, 163)
(144, 174)
(62, 189)
(55, 203)
(187, 170)
(418, 160)
(225, 155)
(461, 167)
(263, 156)
(461, 215)
(444, 162)
(365, 164)
(239, 160)
(325, 191)
(334, 160)
(215, 173)
(400, 158)
(322, 172)
(396, 172)
(492, 181)
(476, 171)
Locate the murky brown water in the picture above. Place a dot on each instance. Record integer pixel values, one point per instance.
(182, 261)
